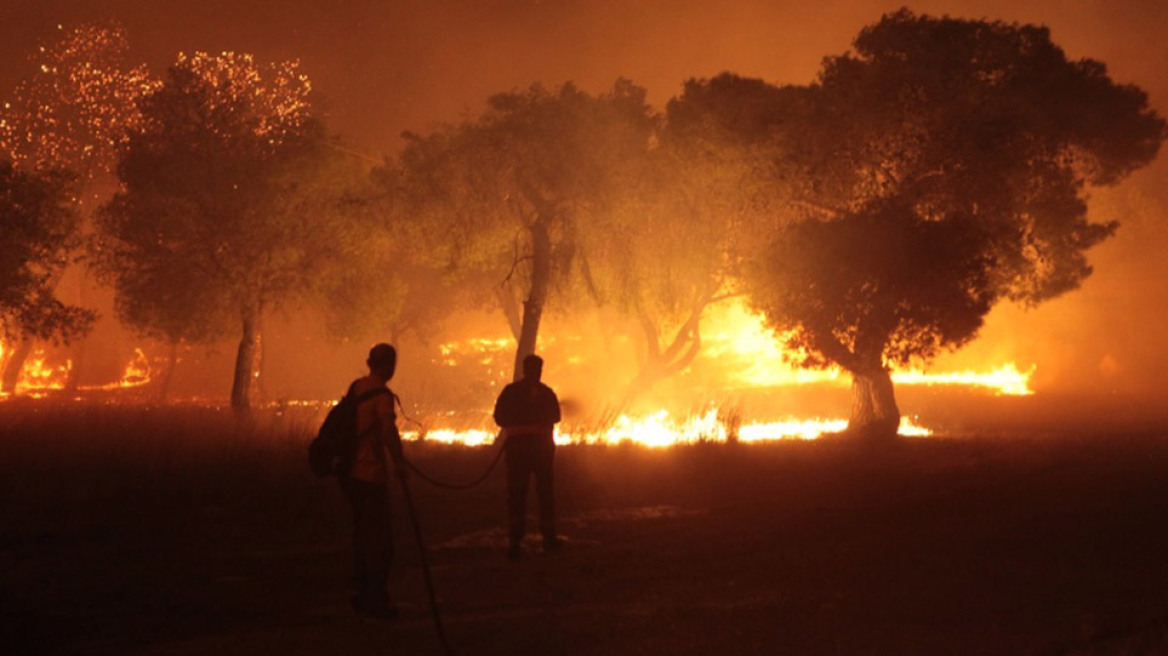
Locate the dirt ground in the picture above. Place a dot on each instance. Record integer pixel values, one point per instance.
(126, 535)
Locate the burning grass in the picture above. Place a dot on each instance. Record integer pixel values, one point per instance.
(172, 530)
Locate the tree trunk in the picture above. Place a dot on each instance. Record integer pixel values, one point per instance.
(247, 364)
(661, 364)
(73, 378)
(11, 374)
(875, 414)
(168, 375)
(80, 348)
(541, 269)
(510, 310)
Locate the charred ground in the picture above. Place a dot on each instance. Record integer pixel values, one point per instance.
(170, 531)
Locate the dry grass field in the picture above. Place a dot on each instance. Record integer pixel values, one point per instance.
(171, 531)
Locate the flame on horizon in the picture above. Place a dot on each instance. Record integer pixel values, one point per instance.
(737, 342)
(38, 377)
(660, 429)
(741, 337)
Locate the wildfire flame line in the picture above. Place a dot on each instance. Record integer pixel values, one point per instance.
(38, 377)
(741, 338)
(660, 429)
(1006, 380)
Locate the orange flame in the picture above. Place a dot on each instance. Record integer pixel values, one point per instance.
(38, 376)
(136, 374)
(659, 429)
(742, 340)
(1005, 380)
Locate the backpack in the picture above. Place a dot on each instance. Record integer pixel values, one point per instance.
(333, 450)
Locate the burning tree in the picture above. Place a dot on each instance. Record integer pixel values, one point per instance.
(229, 209)
(506, 198)
(674, 231)
(79, 104)
(937, 170)
(70, 114)
(38, 233)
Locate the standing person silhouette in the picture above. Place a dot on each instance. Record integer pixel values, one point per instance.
(367, 484)
(527, 410)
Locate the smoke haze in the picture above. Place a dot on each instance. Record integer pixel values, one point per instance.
(382, 67)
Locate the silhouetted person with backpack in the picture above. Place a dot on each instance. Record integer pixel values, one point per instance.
(366, 483)
(527, 410)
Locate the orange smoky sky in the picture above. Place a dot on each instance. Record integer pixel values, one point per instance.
(382, 66)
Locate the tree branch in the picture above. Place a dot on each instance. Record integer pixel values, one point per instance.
(829, 212)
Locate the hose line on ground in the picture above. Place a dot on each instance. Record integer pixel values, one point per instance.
(425, 567)
(442, 484)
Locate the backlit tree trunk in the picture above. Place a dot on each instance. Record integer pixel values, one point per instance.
(10, 376)
(660, 364)
(247, 363)
(80, 349)
(874, 410)
(541, 269)
(510, 310)
(168, 375)
(73, 379)
(15, 364)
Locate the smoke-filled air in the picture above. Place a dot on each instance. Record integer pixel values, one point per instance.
(583, 327)
(733, 216)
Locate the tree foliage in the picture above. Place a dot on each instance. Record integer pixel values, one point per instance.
(506, 198)
(939, 168)
(60, 128)
(230, 205)
(79, 105)
(681, 219)
(38, 232)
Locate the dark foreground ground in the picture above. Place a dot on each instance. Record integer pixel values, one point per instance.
(168, 532)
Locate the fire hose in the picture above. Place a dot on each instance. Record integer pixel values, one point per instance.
(405, 486)
(426, 574)
(459, 486)
(442, 484)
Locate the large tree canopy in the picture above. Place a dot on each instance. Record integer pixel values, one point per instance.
(70, 113)
(505, 198)
(679, 221)
(228, 209)
(937, 169)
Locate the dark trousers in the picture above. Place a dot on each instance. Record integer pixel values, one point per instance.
(372, 540)
(528, 456)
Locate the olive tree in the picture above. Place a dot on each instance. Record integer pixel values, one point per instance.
(231, 207)
(938, 169)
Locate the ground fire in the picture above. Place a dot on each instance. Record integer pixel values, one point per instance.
(42, 375)
(738, 344)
